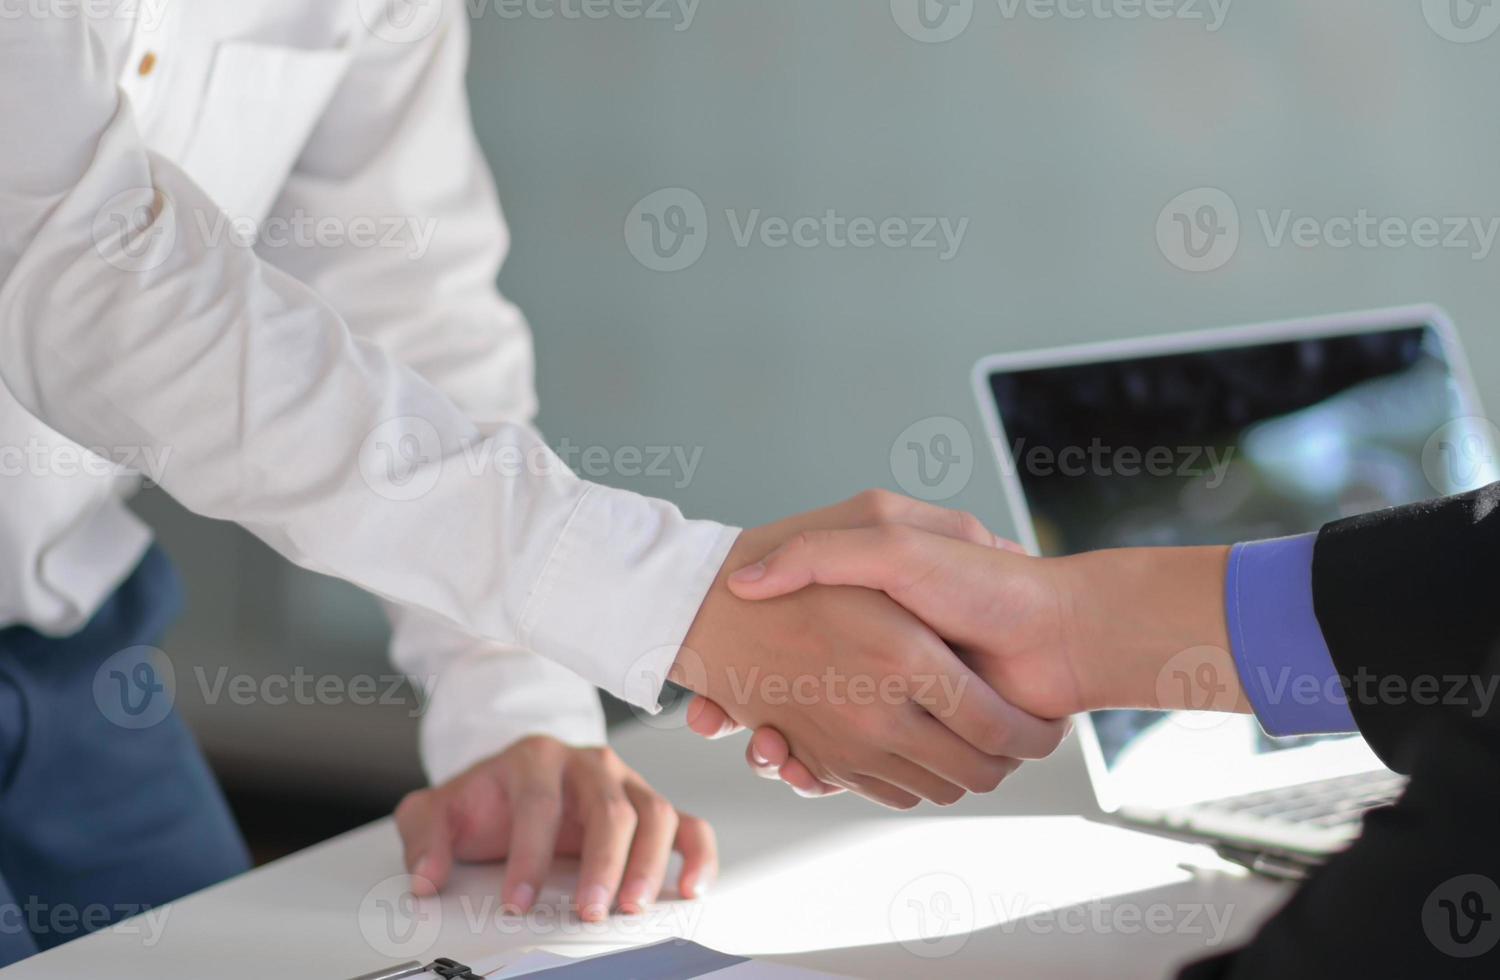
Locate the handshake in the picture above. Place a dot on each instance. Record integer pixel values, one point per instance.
(901, 651)
(883, 646)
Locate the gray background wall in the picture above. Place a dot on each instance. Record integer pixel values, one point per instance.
(1059, 140)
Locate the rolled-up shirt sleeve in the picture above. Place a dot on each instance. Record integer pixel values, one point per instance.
(268, 410)
(1278, 645)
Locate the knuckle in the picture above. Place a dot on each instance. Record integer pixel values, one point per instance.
(616, 809)
(659, 810)
(971, 528)
(879, 506)
(602, 757)
(699, 830)
(799, 543)
(540, 744)
(410, 803)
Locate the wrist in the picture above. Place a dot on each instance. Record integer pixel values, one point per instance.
(1143, 616)
(690, 670)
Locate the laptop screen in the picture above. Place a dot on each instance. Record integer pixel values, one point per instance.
(1214, 446)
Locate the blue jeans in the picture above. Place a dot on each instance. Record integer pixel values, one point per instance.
(103, 813)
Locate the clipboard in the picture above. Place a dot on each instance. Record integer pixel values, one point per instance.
(671, 959)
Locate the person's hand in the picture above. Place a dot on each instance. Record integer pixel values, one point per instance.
(1054, 636)
(766, 752)
(868, 697)
(1127, 628)
(539, 799)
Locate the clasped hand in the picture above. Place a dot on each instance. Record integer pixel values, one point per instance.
(1051, 637)
(870, 673)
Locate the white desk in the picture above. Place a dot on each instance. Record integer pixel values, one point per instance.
(834, 885)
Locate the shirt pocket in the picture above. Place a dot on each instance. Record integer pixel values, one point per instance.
(260, 106)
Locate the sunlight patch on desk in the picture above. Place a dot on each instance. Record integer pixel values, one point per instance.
(923, 881)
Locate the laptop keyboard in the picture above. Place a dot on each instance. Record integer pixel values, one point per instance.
(1327, 803)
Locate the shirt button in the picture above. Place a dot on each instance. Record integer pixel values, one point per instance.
(148, 64)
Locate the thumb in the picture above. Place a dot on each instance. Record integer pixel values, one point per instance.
(872, 557)
(426, 840)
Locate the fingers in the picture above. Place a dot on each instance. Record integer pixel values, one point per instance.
(874, 507)
(609, 825)
(801, 779)
(536, 805)
(700, 856)
(709, 720)
(804, 783)
(970, 708)
(877, 790)
(1018, 734)
(426, 840)
(655, 832)
(944, 753)
(767, 752)
(887, 559)
(920, 782)
(770, 757)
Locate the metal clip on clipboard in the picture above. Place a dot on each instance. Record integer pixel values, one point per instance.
(442, 967)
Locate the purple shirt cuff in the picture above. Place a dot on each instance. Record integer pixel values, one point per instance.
(1283, 660)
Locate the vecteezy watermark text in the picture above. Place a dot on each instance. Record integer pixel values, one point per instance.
(303, 687)
(398, 924)
(933, 916)
(146, 14)
(1100, 459)
(404, 233)
(38, 917)
(1475, 692)
(1201, 230)
(137, 688)
(940, 694)
(409, 21)
(140, 229)
(404, 459)
(668, 230)
(39, 458)
(936, 21)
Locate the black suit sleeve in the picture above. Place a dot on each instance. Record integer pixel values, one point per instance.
(1403, 596)
(1409, 602)
(1417, 896)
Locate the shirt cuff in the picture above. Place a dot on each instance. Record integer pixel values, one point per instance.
(479, 697)
(621, 589)
(1279, 650)
(486, 701)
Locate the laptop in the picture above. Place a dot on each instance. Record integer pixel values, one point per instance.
(1221, 436)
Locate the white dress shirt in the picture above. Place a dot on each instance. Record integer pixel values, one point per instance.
(251, 249)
